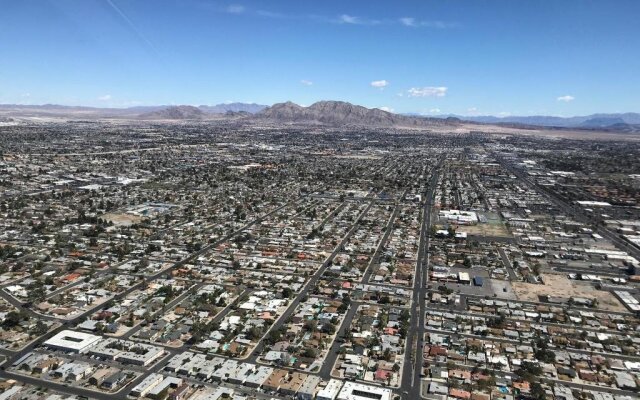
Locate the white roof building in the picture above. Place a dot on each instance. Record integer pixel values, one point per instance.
(464, 277)
(146, 385)
(358, 391)
(72, 341)
(459, 217)
(330, 391)
(168, 381)
(594, 203)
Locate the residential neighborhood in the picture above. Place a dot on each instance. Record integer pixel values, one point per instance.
(178, 263)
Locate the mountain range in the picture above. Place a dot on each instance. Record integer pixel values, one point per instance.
(138, 112)
(343, 113)
(322, 112)
(587, 121)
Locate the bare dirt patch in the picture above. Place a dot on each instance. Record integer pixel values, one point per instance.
(561, 286)
(122, 219)
(491, 229)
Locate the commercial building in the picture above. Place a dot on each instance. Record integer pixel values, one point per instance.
(127, 352)
(463, 277)
(358, 391)
(77, 342)
(459, 217)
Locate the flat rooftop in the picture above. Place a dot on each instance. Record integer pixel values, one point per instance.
(72, 340)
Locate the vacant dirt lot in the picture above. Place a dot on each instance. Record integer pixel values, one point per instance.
(122, 219)
(561, 286)
(496, 230)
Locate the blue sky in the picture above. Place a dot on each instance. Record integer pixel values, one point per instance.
(500, 57)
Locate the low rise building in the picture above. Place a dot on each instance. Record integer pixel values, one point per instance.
(358, 391)
(72, 341)
(142, 388)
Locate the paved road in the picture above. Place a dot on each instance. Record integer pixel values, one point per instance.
(67, 389)
(332, 355)
(589, 271)
(412, 370)
(383, 241)
(507, 264)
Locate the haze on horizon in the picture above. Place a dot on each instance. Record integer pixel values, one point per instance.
(430, 57)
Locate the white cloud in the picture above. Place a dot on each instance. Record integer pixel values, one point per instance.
(235, 9)
(414, 23)
(271, 14)
(504, 114)
(379, 84)
(348, 19)
(25, 95)
(427, 91)
(566, 98)
(353, 20)
(408, 21)
(434, 111)
(306, 82)
(387, 109)
(106, 97)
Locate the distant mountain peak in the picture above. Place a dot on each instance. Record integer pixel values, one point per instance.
(223, 108)
(587, 121)
(332, 112)
(175, 112)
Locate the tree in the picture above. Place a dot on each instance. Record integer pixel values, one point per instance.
(444, 290)
(38, 293)
(537, 391)
(308, 353)
(40, 328)
(287, 292)
(254, 333)
(329, 328)
(12, 319)
(529, 371)
(542, 351)
(310, 325)
(496, 322)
